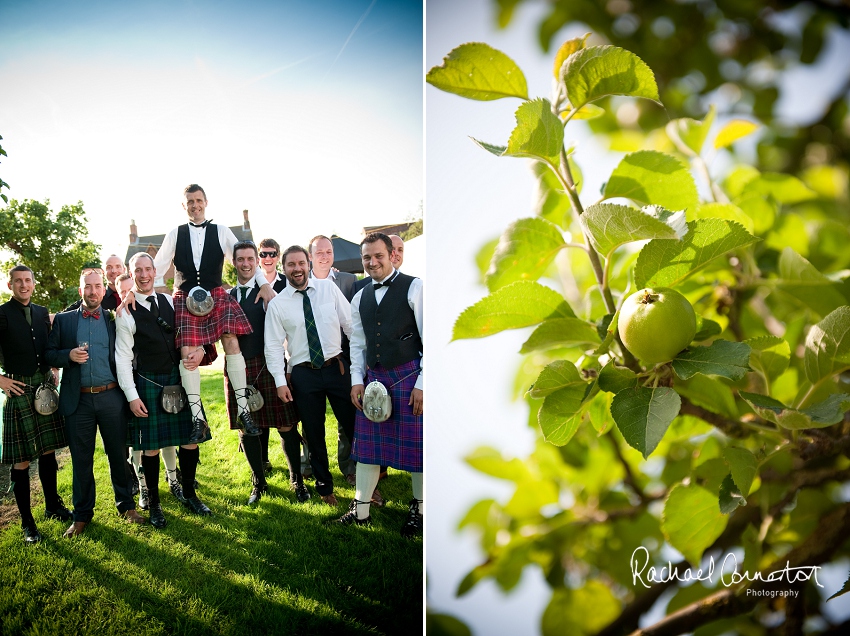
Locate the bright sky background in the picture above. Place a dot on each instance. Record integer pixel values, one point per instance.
(307, 114)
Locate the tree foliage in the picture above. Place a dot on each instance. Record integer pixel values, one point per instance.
(736, 445)
(54, 245)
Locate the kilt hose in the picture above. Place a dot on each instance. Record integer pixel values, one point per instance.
(274, 412)
(159, 429)
(196, 331)
(26, 433)
(396, 442)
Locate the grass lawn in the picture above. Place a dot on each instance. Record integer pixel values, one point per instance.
(271, 569)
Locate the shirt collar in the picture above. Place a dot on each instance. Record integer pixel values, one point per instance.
(250, 284)
(331, 274)
(390, 277)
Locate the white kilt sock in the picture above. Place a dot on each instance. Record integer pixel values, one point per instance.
(136, 462)
(367, 478)
(418, 493)
(191, 381)
(235, 365)
(169, 458)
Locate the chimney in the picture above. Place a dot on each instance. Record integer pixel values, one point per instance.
(246, 224)
(134, 234)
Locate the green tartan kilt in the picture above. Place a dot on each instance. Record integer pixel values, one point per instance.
(26, 433)
(159, 429)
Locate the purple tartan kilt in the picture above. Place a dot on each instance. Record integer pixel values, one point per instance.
(159, 429)
(398, 441)
(226, 317)
(274, 412)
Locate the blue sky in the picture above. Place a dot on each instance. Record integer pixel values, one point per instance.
(308, 114)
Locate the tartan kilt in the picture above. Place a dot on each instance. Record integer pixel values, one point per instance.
(396, 442)
(159, 429)
(274, 412)
(27, 434)
(226, 317)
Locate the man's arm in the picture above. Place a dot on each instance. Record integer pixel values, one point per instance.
(343, 310)
(125, 329)
(8, 385)
(274, 347)
(56, 356)
(415, 298)
(165, 255)
(357, 352)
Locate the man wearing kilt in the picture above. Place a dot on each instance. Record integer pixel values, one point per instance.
(27, 435)
(275, 413)
(198, 250)
(146, 334)
(386, 346)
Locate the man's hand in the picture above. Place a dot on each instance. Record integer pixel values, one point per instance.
(266, 293)
(78, 355)
(193, 359)
(138, 408)
(55, 373)
(357, 396)
(11, 387)
(284, 394)
(416, 400)
(130, 299)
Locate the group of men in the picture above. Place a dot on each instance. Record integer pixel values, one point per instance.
(312, 335)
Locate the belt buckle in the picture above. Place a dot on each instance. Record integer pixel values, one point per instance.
(97, 389)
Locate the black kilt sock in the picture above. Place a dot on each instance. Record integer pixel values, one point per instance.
(291, 442)
(252, 446)
(47, 468)
(21, 479)
(188, 468)
(264, 443)
(150, 466)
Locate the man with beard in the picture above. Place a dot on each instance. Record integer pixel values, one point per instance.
(275, 413)
(28, 435)
(146, 334)
(112, 297)
(386, 346)
(197, 250)
(83, 343)
(307, 316)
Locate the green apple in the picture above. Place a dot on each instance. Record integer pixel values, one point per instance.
(656, 324)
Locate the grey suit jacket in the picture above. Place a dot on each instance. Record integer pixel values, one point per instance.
(345, 282)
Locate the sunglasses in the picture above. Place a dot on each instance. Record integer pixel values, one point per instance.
(268, 254)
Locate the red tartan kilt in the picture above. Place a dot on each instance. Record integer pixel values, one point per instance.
(226, 317)
(274, 412)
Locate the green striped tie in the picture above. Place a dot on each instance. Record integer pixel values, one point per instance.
(317, 356)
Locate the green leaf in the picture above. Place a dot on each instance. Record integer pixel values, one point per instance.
(667, 263)
(730, 497)
(609, 226)
(485, 255)
(743, 465)
(609, 328)
(539, 134)
(568, 48)
(652, 177)
(530, 497)
(769, 355)
(733, 131)
(564, 390)
(724, 211)
(710, 393)
(820, 415)
(561, 374)
(588, 111)
(600, 71)
(489, 461)
(561, 332)
(828, 345)
(520, 304)
(552, 203)
(614, 379)
(599, 411)
(472, 578)
(438, 624)
(688, 135)
(525, 251)
(567, 611)
(785, 188)
(643, 415)
(722, 357)
(499, 151)
(706, 328)
(762, 210)
(478, 71)
(692, 520)
(799, 278)
(844, 589)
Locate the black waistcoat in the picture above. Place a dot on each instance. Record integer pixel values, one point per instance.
(153, 346)
(23, 345)
(386, 324)
(212, 260)
(251, 344)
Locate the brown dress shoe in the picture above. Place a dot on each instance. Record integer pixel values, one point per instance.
(377, 499)
(134, 517)
(76, 528)
(330, 500)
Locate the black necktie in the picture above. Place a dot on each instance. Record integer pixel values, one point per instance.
(154, 306)
(28, 314)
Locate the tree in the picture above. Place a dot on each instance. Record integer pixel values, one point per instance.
(747, 425)
(3, 184)
(53, 245)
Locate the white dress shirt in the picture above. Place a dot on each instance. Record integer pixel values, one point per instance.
(125, 332)
(286, 332)
(226, 238)
(358, 338)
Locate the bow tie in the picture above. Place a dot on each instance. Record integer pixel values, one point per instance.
(204, 224)
(91, 314)
(386, 284)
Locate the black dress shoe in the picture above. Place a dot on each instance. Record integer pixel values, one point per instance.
(301, 493)
(157, 518)
(200, 430)
(31, 534)
(257, 493)
(413, 525)
(248, 427)
(197, 506)
(177, 491)
(60, 512)
(267, 468)
(350, 517)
